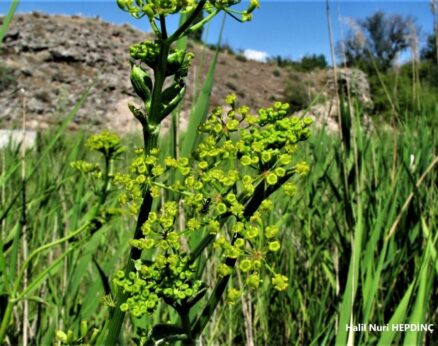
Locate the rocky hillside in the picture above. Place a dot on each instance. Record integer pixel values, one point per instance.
(47, 62)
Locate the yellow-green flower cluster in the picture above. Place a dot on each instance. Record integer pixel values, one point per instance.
(153, 8)
(158, 230)
(266, 141)
(280, 282)
(169, 277)
(156, 8)
(241, 158)
(106, 142)
(87, 168)
(101, 173)
(233, 295)
(252, 243)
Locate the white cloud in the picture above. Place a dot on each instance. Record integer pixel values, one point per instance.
(256, 55)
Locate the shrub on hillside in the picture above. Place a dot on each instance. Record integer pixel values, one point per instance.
(299, 91)
(7, 78)
(407, 94)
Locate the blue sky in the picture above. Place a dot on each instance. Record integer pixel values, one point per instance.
(287, 28)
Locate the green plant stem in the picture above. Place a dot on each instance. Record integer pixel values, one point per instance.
(5, 321)
(107, 181)
(198, 25)
(186, 325)
(180, 31)
(163, 27)
(150, 133)
(116, 321)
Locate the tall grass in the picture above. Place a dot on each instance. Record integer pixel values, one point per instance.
(357, 252)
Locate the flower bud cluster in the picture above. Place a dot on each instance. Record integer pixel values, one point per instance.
(155, 8)
(178, 62)
(88, 168)
(148, 52)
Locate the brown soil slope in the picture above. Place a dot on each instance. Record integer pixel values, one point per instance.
(49, 61)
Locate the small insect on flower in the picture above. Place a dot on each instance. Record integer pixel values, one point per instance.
(206, 202)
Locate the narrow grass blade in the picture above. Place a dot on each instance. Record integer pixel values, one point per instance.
(41, 277)
(399, 316)
(7, 20)
(424, 290)
(201, 107)
(346, 311)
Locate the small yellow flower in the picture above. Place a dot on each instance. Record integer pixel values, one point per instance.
(280, 282)
(271, 179)
(253, 281)
(224, 270)
(274, 246)
(302, 168)
(245, 265)
(231, 99)
(233, 295)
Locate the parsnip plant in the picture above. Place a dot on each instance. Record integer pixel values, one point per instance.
(222, 189)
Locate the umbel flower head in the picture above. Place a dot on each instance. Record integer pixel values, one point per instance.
(106, 142)
(241, 159)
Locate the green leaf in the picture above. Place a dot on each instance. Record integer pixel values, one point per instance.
(346, 312)
(398, 317)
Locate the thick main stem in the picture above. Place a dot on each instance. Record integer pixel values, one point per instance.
(118, 316)
(24, 228)
(150, 134)
(187, 326)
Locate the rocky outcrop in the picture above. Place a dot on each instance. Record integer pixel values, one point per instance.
(52, 60)
(351, 84)
(55, 59)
